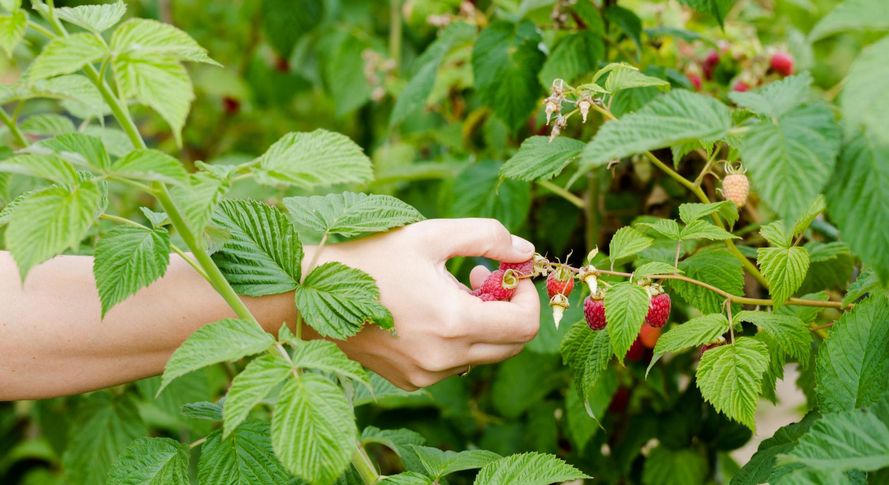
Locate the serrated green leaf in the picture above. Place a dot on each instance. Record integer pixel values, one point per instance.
(420, 83)
(337, 300)
(760, 466)
(326, 356)
(790, 333)
(852, 15)
(77, 94)
(262, 254)
(313, 428)
(96, 18)
(349, 214)
(627, 242)
(690, 212)
(150, 165)
(152, 461)
(652, 268)
(776, 234)
(81, 150)
(228, 339)
(815, 209)
(243, 458)
(822, 252)
(538, 159)
(587, 353)
(700, 229)
(852, 363)
(673, 118)
(382, 390)
(49, 167)
(866, 283)
(718, 9)
(129, 258)
(784, 269)
(406, 478)
(730, 378)
(65, 55)
(573, 56)
(49, 221)
(210, 411)
(251, 386)
(47, 124)
(626, 305)
(803, 141)
(716, 267)
(858, 202)
(505, 61)
(478, 191)
(146, 39)
(777, 98)
(161, 83)
(693, 333)
(667, 228)
(674, 467)
(12, 30)
(199, 197)
(527, 469)
(316, 159)
(102, 429)
(116, 141)
(400, 441)
(440, 463)
(624, 76)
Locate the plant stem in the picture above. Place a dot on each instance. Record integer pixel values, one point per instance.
(395, 31)
(591, 211)
(364, 466)
(563, 193)
(17, 134)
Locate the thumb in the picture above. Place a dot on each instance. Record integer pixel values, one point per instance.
(477, 237)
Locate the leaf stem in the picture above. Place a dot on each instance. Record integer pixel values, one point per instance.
(563, 193)
(364, 466)
(17, 134)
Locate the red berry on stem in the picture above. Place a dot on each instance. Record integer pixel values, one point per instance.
(231, 105)
(620, 400)
(782, 63)
(658, 310)
(649, 335)
(594, 312)
(525, 268)
(709, 64)
(741, 87)
(560, 282)
(637, 351)
(695, 81)
(500, 286)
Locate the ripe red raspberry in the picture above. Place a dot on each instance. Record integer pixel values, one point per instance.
(560, 282)
(594, 312)
(741, 87)
(736, 188)
(658, 310)
(500, 286)
(695, 81)
(231, 105)
(782, 63)
(709, 64)
(525, 268)
(637, 351)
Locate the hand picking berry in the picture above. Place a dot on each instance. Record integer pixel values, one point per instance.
(499, 286)
(658, 308)
(525, 268)
(594, 312)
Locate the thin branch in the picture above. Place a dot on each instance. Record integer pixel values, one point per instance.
(563, 193)
(17, 134)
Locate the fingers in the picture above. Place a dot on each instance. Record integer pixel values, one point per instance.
(492, 353)
(503, 322)
(448, 238)
(478, 275)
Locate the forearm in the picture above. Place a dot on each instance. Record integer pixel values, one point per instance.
(53, 341)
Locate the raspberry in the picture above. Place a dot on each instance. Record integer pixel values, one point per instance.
(620, 400)
(741, 87)
(658, 310)
(525, 268)
(594, 312)
(231, 105)
(649, 335)
(782, 63)
(637, 351)
(560, 282)
(499, 286)
(709, 64)
(736, 188)
(695, 81)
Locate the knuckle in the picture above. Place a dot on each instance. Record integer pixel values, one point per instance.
(436, 361)
(422, 379)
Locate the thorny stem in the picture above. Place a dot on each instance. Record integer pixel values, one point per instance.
(17, 134)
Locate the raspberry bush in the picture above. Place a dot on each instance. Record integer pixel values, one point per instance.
(720, 164)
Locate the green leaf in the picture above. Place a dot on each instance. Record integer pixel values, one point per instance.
(785, 270)
(624, 76)
(852, 363)
(866, 283)
(221, 341)
(284, 26)
(102, 429)
(406, 478)
(505, 62)
(316, 159)
(716, 8)
(699, 229)
(852, 15)
(12, 30)
(628, 22)
(587, 353)
(127, 259)
(79, 149)
(627, 242)
(674, 467)
(49, 167)
(573, 56)
(690, 212)
(243, 458)
(47, 124)
(64, 55)
(805, 140)
(161, 83)
(262, 254)
(760, 466)
(666, 228)
(96, 18)
(49, 221)
(671, 119)
(790, 333)
(626, 305)
(337, 300)
(313, 428)
(152, 461)
(440, 463)
(342, 69)
(478, 191)
(777, 98)
(814, 210)
(115, 141)
(523, 382)
(326, 356)
(693, 333)
(716, 267)
(149, 39)
(251, 386)
(652, 268)
(528, 469)
(210, 411)
(858, 202)
(349, 214)
(150, 165)
(77, 94)
(538, 159)
(414, 96)
(199, 197)
(730, 378)
(776, 234)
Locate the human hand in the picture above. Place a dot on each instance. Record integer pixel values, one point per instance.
(440, 328)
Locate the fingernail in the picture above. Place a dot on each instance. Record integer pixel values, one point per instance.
(522, 245)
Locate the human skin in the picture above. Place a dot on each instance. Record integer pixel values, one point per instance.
(53, 341)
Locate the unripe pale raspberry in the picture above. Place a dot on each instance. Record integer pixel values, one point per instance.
(594, 312)
(658, 310)
(736, 188)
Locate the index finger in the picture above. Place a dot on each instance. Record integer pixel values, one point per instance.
(504, 322)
